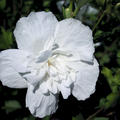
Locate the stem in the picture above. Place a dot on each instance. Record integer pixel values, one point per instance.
(80, 4)
(68, 11)
(99, 20)
(71, 5)
(63, 10)
(93, 115)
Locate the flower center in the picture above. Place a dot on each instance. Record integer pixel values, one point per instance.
(50, 67)
(49, 63)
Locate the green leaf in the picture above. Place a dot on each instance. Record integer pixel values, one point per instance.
(117, 78)
(79, 5)
(29, 118)
(46, 118)
(2, 4)
(6, 39)
(107, 72)
(11, 106)
(98, 33)
(102, 103)
(118, 54)
(105, 59)
(100, 2)
(101, 118)
(113, 80)
(27, 6)
(46, 3)
(14, 93)
(68, 11)
(78, 117)
(109, 101)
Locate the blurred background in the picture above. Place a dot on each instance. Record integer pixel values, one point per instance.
(103, 17)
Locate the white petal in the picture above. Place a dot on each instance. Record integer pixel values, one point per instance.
(36, 79)
(43, 56)
(14, 58)
(40, 105)
(35, 32)
(73, 36)
(86, 79)
(52, 86)
(68, 82)
(9, 77)
(33, 79)
(11, 63)
(64, 90)
(44, 88)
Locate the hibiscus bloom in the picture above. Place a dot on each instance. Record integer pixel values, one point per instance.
(52, 57)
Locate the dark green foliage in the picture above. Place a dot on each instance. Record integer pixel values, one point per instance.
(6, 39)
(11, 106)
(101, 118)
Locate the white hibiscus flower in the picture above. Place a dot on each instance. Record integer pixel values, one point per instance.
(52, 57)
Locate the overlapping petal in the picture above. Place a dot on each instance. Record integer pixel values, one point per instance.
(35, 32)
(86, 79)
(72, 35)
(65, 91)
(15, 58)
(13, 62)
(10, 78)
(40, 104)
